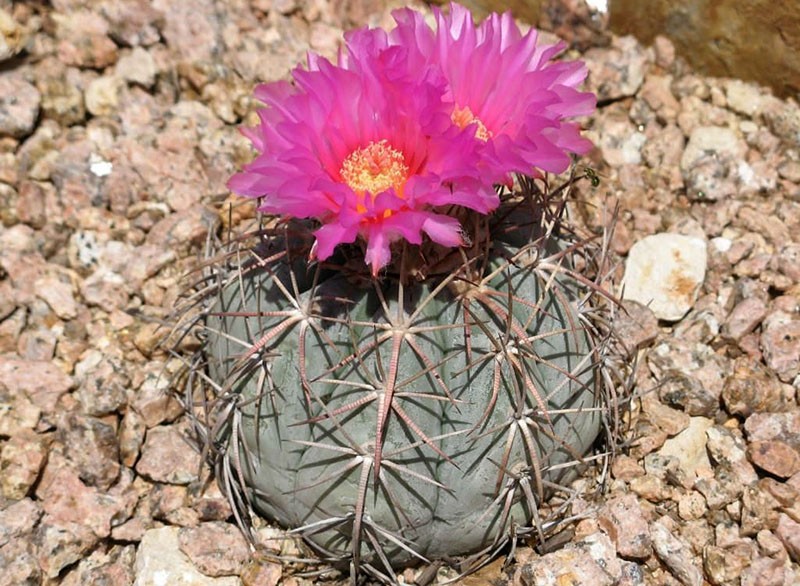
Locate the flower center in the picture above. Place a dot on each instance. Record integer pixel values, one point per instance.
(375, 168)
(462, 117)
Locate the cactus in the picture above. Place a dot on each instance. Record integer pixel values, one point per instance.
(408, 418)
(413, 364)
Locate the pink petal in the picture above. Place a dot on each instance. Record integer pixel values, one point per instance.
(330, 236)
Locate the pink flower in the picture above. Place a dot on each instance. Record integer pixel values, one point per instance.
(367, 148)
(502, 85)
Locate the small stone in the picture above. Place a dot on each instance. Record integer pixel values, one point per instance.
(764, 571)
(181, 230)
(743, 98)
(666, 418)
(17, 413)
(102, 384)
(710, 162)
(138, 67)
(168, 457)
(13, 36)
(212, 505)
(626, 468)
(774, 426)
(728, 448)
(19, 519)
(692, 375)
(105, 289)
(697, 534)
(768, 544)
(132, 22)
(632, 574)
(599, 546)
(91, 444)
(20, 567)
(692, 506)
(662, 153)
(83, 40)
(31, 203)
(131, 437)
(635, 325)
(782, 118)
(701, 325)
(154, 399)
(146, 263)
(651, 488)
(191, 31)
(261, 572)
(790, 170)
(788, 531)
(62, 100)
(57, 293)
(83, 250)
(725, 565)
(706, 141)
(21, 460)
(721, 490)
(43, 382)
(621, 143)
(665, 272)
(8, 302)
(676, 555)
(780, 342)
(216, 549)
(624, 521)
(789, 260)
(9, 205)
(19, 106)
(69, 503)
(657, 92)
(618, 71)
(689, 447)
(565, 566)
(281, 50)
(765, 224)
(61, 545)
(103, 568)
(775, 457)
(159, 560)
(38, 344)
(648, 437)
(665, 51)
(102, 96)
(131, 530)
(149, 337)
(752, 388)
(759, 510)
(745, 318)
(170, 503)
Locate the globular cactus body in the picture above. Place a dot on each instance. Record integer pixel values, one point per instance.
(388, 420)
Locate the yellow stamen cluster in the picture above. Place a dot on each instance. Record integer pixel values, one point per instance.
(462, 117)
(375, 168)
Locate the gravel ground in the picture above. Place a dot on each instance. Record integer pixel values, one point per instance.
(117, 133)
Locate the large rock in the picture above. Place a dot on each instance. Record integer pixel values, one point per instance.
(665, 272)
(749, 39)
